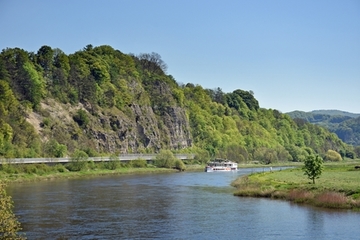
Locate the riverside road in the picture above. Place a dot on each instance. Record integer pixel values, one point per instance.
(121, 157)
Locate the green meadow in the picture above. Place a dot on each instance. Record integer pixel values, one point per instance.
(337, 187)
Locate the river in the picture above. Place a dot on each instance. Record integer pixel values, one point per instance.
(186, 205)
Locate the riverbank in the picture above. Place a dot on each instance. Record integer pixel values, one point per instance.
(338, 186)
(40, 172)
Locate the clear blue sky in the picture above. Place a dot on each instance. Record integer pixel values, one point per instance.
(293, 54)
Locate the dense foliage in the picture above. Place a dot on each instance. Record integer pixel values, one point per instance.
(101, 81)
(346, 125)
(9, 225)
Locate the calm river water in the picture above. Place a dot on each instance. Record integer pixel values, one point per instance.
(188, 205)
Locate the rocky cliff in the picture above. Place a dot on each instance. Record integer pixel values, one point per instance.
(111, 130)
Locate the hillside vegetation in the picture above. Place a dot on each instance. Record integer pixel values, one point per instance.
(344, 124)
(102, 101)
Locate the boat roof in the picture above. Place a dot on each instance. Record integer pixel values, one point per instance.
(218, 160)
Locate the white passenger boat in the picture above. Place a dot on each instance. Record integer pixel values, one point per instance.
(220, 165)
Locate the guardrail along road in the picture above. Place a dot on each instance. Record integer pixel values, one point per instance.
(121, 157)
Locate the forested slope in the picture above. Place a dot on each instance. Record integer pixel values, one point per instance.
(346, 125)
(102, 101)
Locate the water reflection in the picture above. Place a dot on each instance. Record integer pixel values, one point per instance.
(315, 224)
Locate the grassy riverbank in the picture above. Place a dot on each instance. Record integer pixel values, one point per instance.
(37, 172)
(337, 187)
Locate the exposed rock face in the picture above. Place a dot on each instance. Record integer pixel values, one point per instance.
(144, 130)
(177, 127)
(138, 128)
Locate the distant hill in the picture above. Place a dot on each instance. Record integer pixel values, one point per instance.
(336, 113)
(345, 124)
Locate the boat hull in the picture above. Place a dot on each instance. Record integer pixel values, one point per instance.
(219, 169)
(224, 166)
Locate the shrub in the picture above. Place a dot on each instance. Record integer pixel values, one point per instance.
(127, 164)
(139, 163)
(30, 169)
(81, 118)
(113, 164)
(165, 159)
(60, 168)
(46, 122)
(9, 225)
(91, 165)
(180, 165)
(42, 168)
(8, 168)
(91, 152)
(333, 156)
(78, 161)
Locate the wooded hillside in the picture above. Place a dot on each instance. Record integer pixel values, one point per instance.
(102, 101)
(344, 124)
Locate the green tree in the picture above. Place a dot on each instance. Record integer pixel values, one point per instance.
(165, 159)
(9, 225)
(80, 79)
(44, 58)
(313, 167)
(53, 149)
(99, 70)
(26, 82)
(3, 71)
(32, 84)
(202, 156)
(60, 72)
(248, 98)
(7, 99)
(152, 63)
(107, 95)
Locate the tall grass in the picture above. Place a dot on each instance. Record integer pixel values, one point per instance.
(300, 196)
(332, 200)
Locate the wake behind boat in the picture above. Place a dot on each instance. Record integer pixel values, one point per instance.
(221, 165)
